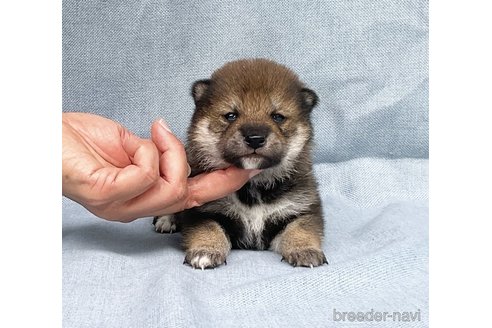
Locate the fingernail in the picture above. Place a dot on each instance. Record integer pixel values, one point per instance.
(189, 170)
(253, 173)
(164, 124)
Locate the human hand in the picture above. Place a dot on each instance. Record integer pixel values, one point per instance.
(119, 176)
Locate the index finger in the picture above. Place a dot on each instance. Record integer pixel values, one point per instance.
(173, 163)
(207, 187)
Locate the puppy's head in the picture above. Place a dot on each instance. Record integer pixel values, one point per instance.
(254, 114)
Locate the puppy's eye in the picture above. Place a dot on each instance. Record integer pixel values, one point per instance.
(279, 118)
(231, 117)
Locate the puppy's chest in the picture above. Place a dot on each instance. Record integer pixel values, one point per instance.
(257, 221)
(254, 222)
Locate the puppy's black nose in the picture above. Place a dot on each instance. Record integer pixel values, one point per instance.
(255, 135)
(255, 141)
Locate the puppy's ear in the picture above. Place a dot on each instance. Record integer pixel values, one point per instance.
(309, 99)
(199, 90)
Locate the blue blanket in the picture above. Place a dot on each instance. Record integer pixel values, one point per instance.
(126, 275)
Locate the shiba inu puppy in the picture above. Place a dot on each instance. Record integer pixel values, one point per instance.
(254, 114)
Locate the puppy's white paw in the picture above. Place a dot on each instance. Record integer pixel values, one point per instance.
(165, 223)
(203, 259)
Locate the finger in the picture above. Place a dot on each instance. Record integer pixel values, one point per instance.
(206, 187)
(160, 199)
(136, 178)
(152, 202)
(173, 163)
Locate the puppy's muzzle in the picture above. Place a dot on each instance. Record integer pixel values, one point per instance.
(255, 135)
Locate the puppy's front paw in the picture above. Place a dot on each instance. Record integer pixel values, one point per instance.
(306, 257)
(165, 223)
(204, 258)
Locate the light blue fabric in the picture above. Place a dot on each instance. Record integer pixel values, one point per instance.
(134, 61)
(126, 275)
(367, 60)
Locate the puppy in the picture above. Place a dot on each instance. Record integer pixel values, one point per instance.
(254, 114)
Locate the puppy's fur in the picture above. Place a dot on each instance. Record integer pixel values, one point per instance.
(253, 114)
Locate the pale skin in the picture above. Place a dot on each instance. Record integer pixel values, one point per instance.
(120, 177)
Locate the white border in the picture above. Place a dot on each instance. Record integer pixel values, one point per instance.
(460, 162)
(30, 75)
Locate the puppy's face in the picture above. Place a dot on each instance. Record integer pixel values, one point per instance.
(253, 114)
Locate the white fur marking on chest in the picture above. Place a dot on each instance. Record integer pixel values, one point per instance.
(254, 217)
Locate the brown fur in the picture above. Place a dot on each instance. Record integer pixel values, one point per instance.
(208, 237)
(280, 208)
(300, 243)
